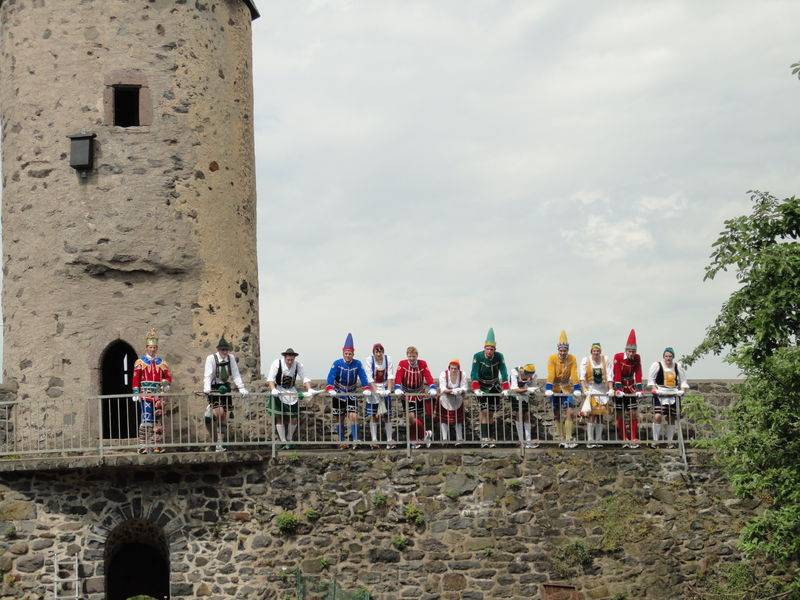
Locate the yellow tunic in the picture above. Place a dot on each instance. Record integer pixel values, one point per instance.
(563, 374)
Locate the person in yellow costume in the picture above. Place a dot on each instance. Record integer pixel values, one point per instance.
(562, 379)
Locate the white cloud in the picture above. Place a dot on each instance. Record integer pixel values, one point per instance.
(603, 240)
(668, 207)
(458, 165)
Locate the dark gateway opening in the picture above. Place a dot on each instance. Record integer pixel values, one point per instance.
(116, 374)
(136, 562)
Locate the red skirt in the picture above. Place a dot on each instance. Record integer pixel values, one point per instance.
(451, 417)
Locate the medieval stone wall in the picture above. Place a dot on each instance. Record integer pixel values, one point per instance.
(162, 232)
(462, 524)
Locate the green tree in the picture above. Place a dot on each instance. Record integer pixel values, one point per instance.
(764, 313)
(759, 326)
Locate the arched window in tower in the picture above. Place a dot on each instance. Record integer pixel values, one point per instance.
(116, 378)
(136, 561)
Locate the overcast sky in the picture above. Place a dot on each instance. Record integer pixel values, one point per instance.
(429, 169)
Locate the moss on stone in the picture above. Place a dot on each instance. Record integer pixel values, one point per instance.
(619, 517)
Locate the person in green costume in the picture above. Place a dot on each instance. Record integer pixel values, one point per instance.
(489, 376)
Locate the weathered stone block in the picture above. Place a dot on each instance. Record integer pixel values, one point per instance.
(29, 564)
(15, 510)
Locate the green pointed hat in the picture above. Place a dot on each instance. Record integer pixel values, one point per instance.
(490, 338)
(223, 344)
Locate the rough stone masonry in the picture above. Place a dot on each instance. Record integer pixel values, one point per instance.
(162, 232)
(446, 525)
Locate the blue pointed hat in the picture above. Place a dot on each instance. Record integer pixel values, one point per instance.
(348, 343)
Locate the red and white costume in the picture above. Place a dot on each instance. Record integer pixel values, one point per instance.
(628, 389)
(411, 380)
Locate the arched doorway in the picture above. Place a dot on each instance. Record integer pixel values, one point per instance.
(137, 561)
(116, 377)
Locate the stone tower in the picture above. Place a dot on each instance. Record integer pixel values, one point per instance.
(161, 231)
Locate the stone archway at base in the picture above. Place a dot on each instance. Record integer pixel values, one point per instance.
(136, 561)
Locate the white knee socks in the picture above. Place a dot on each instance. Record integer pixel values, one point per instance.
(657, 431)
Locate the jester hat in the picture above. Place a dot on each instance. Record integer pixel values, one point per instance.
(348, 343)
(563, 342)
(631, 344)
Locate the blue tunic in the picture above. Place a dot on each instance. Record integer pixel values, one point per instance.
(344, 377)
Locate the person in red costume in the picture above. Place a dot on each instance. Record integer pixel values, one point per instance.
(150, 377)
(410, 380)
(627, 391)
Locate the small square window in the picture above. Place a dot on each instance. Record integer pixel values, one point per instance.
(126, 106)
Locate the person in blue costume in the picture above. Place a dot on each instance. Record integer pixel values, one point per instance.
(343, 379)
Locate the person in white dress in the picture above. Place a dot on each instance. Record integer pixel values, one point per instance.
(452, 388)
(668, 382)
(597, 380)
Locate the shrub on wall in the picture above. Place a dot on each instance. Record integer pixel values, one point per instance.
(287, 523)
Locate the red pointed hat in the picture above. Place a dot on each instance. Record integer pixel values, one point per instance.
(631, 345)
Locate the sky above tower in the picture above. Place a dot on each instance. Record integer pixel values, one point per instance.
(427, 170)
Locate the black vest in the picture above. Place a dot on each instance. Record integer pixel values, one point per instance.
(285, 381)
(660, 374)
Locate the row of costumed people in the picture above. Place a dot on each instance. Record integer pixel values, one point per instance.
(609, 386)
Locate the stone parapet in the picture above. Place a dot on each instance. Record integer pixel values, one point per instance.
(447, 524)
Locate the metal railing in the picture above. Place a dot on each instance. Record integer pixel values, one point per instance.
(190, 422)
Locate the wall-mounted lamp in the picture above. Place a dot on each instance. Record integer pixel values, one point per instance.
(81, 153)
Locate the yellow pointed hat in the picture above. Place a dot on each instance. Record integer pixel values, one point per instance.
(562, 340)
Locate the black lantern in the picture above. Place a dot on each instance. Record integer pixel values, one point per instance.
(81, 153)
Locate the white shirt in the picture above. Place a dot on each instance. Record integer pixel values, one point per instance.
(387, 365)
(289, 395)
(452, 392)
(588, 384)
(663, 389)
(296, 369)
(208, 375)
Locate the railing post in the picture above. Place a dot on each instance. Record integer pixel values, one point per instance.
(520, 427)
(681, 445)
(268, 402)
(408, 432)
(100, 425)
